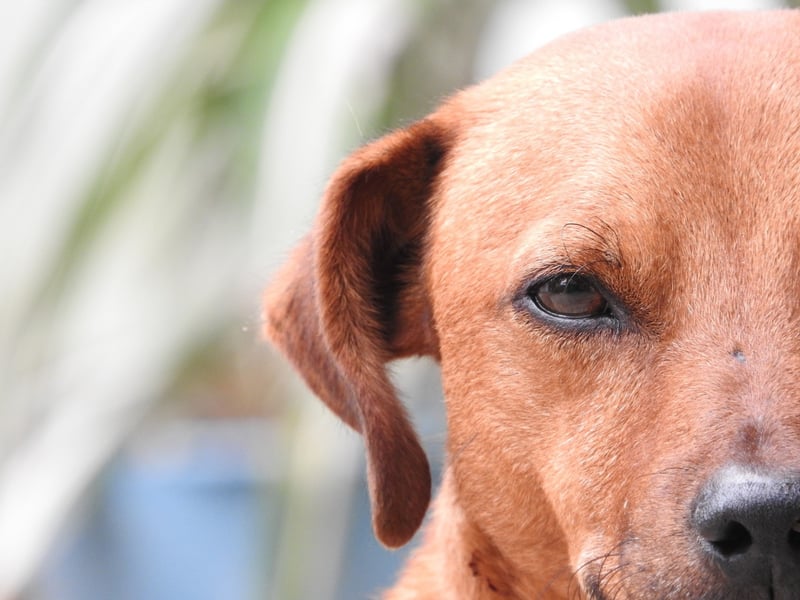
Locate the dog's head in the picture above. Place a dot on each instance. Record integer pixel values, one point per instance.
(601, 246)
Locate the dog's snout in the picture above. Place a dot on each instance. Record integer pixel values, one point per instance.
(749, 524)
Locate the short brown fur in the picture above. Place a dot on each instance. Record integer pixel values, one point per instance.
(661, 156)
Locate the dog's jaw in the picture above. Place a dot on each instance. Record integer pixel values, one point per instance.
(457, 560)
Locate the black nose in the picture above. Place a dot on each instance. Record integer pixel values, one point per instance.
(749, 524)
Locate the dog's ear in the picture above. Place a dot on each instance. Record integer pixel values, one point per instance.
(353, 297)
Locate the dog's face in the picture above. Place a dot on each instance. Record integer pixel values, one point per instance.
(601, 246)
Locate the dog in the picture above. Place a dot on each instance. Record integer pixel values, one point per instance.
(600, 246)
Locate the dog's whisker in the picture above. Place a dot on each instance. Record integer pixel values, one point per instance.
(466, 444)
(669, 472)
(575, 576)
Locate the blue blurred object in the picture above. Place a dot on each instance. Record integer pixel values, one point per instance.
(189, 523)
(369, 568)
(194, 510)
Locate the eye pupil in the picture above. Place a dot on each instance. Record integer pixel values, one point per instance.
(571, 296)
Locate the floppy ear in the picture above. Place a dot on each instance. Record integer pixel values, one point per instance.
(353, 296)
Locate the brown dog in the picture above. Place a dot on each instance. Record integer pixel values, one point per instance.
(601, 246)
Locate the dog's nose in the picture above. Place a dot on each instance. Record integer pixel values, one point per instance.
(749, 524)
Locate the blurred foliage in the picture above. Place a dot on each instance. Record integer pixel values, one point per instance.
(218, 94)
(640, 7)
(154, 240)
(438, 58)
(215, 103)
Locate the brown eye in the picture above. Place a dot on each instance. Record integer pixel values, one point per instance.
(570, 296)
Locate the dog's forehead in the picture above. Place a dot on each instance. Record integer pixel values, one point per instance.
(687, 126)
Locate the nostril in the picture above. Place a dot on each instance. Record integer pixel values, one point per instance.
(732, 539)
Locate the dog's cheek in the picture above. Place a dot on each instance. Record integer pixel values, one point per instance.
(597, 449)
(538, 441)
(495, 449)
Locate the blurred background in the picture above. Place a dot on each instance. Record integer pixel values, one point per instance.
(157, 160)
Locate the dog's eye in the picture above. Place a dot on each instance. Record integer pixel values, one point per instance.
(569, 296)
